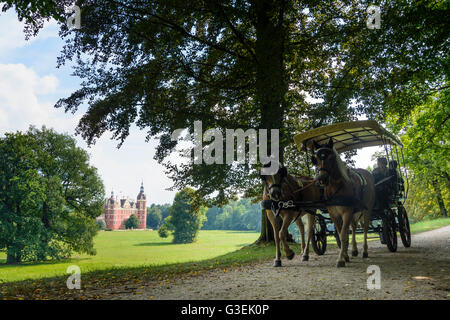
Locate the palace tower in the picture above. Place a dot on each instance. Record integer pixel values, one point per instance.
(117, 211)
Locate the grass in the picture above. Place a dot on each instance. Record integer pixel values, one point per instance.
(137, 256)
(125, 249)
(429, 225)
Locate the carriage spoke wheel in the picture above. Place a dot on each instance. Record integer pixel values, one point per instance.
(403, 226)
(389, 231)
(319, 239)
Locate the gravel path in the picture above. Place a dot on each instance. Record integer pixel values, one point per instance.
(419, 272)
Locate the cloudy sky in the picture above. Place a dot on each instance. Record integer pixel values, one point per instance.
(30, 85)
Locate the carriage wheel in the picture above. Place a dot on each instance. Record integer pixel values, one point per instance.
(403, 226)
(319, 239)
(389, 231)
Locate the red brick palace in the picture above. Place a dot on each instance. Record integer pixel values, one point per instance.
(118, 211)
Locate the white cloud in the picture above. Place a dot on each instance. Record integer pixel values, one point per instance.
(28, 95)
(23, 101)
(11, 32)
(13, 37)
(28, 99)
(122, 170)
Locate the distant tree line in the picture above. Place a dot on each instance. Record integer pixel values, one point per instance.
(156, 214)
(236, 215)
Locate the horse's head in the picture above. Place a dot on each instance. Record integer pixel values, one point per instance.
(274, 182)
(324, 158)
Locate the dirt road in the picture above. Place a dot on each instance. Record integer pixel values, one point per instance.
(419, 272)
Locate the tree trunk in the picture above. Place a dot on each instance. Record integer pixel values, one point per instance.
(438, 193)
(12, 257)
(267, 229)
(271, 85)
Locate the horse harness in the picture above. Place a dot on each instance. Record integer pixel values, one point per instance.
(277, 206)
(345, 201)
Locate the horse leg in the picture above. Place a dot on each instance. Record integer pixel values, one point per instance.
(283, 235)
(271, 217)
(366, 229)
(343, 256)
(354, 246)
(337, 225)
(301, 228)
(309, 234)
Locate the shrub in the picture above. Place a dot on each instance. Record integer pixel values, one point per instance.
(132, 222)
(163, 231)
(186, 219)
(101, 224)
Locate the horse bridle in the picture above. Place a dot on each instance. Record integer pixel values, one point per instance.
(279, 185)
(322, 153)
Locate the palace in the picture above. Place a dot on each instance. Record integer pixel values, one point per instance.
(117, 211)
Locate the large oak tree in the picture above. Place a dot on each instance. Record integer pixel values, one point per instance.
(49, 196)
(248, 64)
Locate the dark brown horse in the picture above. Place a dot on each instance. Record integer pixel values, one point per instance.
(283, 186)
(353, 192)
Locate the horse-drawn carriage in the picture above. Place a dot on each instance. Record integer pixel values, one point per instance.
(388, 214)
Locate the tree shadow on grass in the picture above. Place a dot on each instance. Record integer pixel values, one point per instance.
(240, 231)
(234, 258)
(154, 244)
(3, 264)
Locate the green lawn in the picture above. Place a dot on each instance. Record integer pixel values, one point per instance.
(122, 249)
(134, 253)
(429, 225)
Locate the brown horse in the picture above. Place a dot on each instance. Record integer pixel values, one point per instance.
(283, 186)
(353, 192)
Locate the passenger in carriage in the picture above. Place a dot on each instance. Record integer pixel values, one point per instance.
(398, 180)
(393, 168)
(381, 171)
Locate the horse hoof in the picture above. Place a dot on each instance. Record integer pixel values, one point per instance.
(365, 255)
(340, 264)
(291, 256)
(305, 258)
(355, 253)
(347, 259)
(277, 263)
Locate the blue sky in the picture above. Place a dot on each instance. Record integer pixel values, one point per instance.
(30, 85)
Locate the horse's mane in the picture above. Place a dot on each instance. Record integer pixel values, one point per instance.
(293, 184)
(341, 166)
(294, 180)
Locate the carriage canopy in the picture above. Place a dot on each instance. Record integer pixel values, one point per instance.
(347, 136)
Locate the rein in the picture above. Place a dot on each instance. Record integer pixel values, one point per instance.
(283, 204)
(346, 201)
(305, 187)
